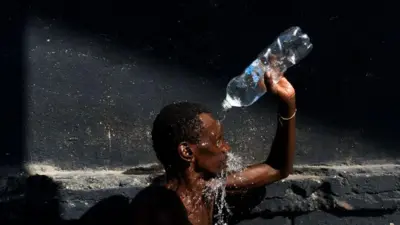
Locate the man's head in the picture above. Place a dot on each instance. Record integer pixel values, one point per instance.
(186, 135)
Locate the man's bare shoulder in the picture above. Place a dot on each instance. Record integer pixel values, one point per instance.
(157, 205)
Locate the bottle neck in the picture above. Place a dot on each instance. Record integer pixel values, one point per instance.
(226, 105)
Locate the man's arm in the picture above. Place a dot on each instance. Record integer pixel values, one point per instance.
(279, 163)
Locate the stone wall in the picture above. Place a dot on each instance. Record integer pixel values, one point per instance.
(362, 195)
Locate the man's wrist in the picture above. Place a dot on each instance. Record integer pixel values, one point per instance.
(287, 107)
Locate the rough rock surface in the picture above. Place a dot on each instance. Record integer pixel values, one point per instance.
(367, 194)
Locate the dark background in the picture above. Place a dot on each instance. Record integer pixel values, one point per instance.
(89, 67)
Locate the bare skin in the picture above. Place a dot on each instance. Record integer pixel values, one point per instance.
(208, 158)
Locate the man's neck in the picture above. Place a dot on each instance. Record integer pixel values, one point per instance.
(186, 183)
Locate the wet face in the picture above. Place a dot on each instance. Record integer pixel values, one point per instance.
(210, 154)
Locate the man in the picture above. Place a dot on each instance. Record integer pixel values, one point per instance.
(189, 143)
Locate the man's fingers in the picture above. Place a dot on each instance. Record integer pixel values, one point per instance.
(268, 81)
(268, 78)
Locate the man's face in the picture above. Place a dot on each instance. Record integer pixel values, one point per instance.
(211, 152)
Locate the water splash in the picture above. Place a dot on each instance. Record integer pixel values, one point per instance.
(216, 189)
(224, 110)
(109, 139)
(234, 163)
(222, 210)
(222, 115)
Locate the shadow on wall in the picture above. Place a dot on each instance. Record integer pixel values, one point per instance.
(36, 200)
(347, 82)
(13, 96)
(33, 199)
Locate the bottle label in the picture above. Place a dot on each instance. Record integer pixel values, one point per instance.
(249, 70)
(254, 73)
(255, 63)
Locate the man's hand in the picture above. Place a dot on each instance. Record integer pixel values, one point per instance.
(283, 89)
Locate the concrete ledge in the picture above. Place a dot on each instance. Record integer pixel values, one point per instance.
(367, 194)
(335, 188)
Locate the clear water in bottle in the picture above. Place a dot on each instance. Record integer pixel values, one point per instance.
(287, 50)
(247, 88)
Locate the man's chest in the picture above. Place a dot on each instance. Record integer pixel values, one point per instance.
(201, 214)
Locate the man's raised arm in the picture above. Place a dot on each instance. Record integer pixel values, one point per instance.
(279, 163)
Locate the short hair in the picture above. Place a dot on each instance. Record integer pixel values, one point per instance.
(176, 123)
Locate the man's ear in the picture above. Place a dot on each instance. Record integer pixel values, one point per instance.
(185, 151)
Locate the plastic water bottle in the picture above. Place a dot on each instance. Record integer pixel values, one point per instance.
(287, 50)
